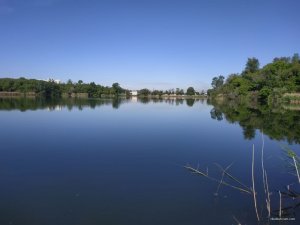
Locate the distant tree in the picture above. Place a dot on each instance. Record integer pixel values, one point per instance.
(117, 89)
(252, 65)
(80, 82)
(217, 82)
(190, 91)
(69, 82)
(92, 89)
(179, 91)
(282, 59)
(144, 92)
(296, 58)
(157, 92)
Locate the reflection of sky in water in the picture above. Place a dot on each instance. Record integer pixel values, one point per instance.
(124, 166)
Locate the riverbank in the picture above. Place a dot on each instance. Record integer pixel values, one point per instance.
(17, 94)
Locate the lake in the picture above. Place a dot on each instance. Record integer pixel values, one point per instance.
(121, 161)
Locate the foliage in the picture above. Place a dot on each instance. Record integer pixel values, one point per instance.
(190, 91)
(72, 89)
(22, 85)
(179, 91)
(157, 92)
(117, 89)
(144, 92)
(52, 89)
(252, 65)
(217, 82)
(267, 84)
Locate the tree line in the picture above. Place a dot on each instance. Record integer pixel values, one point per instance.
(178, 91)
(52, 89)
(266, 84)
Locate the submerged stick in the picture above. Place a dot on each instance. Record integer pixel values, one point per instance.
(279, 204)
(193, 170)
(262, 162)
(253, 186)
(296, 169)
(224, 171)
(268, 196)
(265, 178)
(236, 220)
(232, 177)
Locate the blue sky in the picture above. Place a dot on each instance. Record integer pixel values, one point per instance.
(143, 43)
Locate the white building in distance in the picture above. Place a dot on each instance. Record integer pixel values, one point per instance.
(133, 93)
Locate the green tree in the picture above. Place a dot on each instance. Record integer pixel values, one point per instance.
(190, 91)
(217, 82)
(117, 89)
(179, 91)
(92, 90)
(296, 58)
(252, 65)
(144, 92)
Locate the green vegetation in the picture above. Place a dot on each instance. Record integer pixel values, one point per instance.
(190, 91)
(22, 85)
(32, 87)
(266, 84)
(171, 92)
(52, 89)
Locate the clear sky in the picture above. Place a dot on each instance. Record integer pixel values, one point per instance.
(143, 43)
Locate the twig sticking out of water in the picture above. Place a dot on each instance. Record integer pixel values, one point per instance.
(268, 200)
(232, 177)
(262, 163)
(296, 166)
(265, 178)
(223, 173)
(253, 185)
(236, 220)
(279, 204)
(198, 172)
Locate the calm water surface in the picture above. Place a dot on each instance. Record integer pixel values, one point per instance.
(86, 162)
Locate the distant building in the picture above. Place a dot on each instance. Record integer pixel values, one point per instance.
(52, 80)
(55, 81)
(133, 93)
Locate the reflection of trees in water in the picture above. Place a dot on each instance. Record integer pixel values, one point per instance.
(144, 100)
(171, 101)
(190, 101)
(278, 123)
(179, 101)
(24, 104)
(116, 102)
(51, 104)
(249, 132)
(216, 114)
